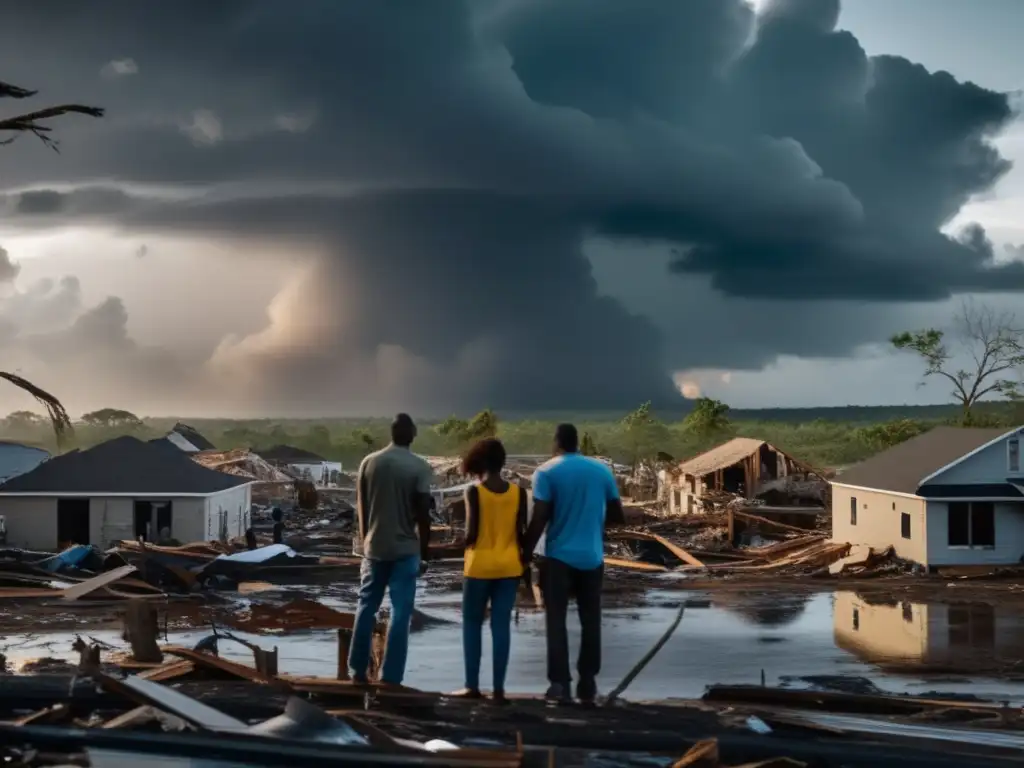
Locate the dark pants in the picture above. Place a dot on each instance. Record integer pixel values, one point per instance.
(560, 581)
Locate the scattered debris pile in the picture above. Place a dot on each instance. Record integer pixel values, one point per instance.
(256, 715)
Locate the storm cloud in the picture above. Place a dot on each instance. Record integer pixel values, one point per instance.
(440, 170)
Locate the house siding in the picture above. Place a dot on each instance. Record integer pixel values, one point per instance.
(32, 520)
(987, 467)
(227, 513)
(878, 523)
(1009, 548)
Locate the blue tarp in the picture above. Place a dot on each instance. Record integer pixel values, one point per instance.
(72, 557)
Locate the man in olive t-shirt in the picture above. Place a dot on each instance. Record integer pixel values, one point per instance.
(393, 515)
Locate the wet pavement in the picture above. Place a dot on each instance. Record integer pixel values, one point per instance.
(905, 647)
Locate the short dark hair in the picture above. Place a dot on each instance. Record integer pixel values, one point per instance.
(403, 430)
(486, 456)
(567, 438)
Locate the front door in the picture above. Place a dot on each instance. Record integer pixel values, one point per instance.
(72, 522)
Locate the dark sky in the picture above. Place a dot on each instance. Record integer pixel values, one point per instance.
(429, 182)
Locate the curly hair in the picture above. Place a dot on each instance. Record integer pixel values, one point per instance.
(486, 456)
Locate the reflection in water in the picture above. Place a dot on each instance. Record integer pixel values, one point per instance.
(955, 637)
(765, 611)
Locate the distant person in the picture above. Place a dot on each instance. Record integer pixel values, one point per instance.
(250, 539)
(495, 530)
(393, 514)
(572, 496)
(278, 517)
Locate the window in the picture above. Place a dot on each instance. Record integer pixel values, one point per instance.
(971, 524)
(856, 619)
(908, 612)
(853, 510)
(1013, 454)
(905, 525)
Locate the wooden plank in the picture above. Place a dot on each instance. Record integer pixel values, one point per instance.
(83, 589)
(633, 565)
(766, 521)
(182, 706)
(675, 549)
(703, 754)
(168, 671)
(210, 661)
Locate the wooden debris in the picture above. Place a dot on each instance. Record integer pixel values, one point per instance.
(142, 630)
(677, 551)
(103, 580)
(766, 521)
(703, 754)
(633, 565)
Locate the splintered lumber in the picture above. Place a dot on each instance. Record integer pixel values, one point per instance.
(98, 582)
(634, 565)
(834, 701)
(168, 671)
(209, 661)
(860, 555)
(766, 521)
(703, 754)
(148, 693)
(675, 549)
(784, 547)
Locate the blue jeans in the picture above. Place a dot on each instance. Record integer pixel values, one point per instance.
(399, 578)
(476, 594)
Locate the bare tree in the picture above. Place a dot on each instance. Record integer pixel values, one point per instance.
(29, 122)
(991, 340)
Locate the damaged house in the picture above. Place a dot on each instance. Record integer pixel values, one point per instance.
(304, 465)
(743, 468)
(122, 489)
(186, 438)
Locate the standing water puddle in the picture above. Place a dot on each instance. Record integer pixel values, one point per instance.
(900, 647)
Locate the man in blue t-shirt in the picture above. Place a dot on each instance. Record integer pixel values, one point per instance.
(572, 496)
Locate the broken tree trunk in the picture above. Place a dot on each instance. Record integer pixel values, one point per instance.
(141, 630)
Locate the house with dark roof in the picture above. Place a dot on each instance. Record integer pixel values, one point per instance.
(187, 439)
(304, 465)
(122, 489)
(951, 496)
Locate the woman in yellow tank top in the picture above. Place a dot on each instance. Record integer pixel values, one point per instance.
(495, 525)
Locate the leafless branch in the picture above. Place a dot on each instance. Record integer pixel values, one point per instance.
(29, 122)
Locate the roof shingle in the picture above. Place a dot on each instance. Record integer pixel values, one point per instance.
(902, 468)
(122, 465)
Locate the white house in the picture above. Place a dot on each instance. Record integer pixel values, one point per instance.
(122, 489)
(950, 496)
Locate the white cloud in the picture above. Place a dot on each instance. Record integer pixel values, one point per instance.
(205, 129)
(119, 68)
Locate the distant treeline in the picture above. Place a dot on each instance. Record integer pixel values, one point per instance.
(823, 437)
